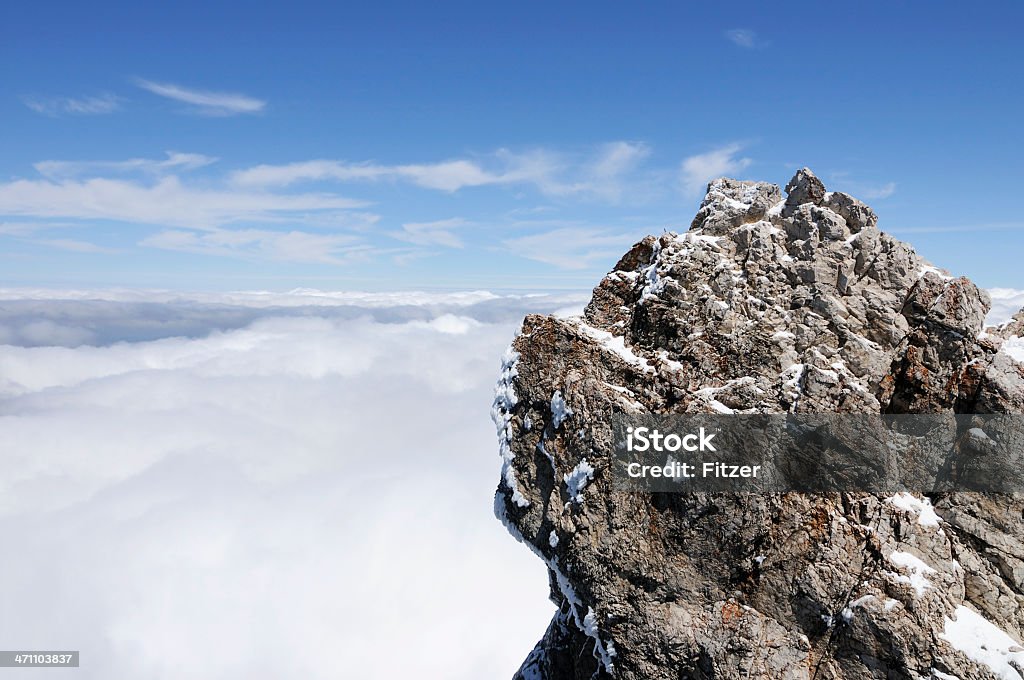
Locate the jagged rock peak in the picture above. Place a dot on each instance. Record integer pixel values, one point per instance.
(766, 304)
(730, 203)
(805, 188)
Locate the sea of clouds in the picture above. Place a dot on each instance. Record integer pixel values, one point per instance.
(1005, 303)
(262, 485)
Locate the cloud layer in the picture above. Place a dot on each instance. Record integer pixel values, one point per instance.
(1005, 303)
(294, 491)
(284, 485)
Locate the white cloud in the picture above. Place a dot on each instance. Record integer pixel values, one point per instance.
(208, 221)
(450, 175)
(9, 228)
(257, 213)
(204, 101)
(437, 233)
(607, 175)
(34, 317)
(571, 247)
(306, 171)
(75, 245)
(165, 202)
(297, 497)
(742, 37)
(261, 244)
(1005, 303)
(174, 161)
(600, 175)
(56, 106)
(698, 170)
(300, 297)
(617, 158)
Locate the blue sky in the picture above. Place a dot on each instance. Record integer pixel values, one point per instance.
(459, 145)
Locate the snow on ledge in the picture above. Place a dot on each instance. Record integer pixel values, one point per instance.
(616, 344)
(1005, 303)
(983, 642)
(1014, 348)
(922, 507)
(926, 269)
(917, 571)
(943, 676)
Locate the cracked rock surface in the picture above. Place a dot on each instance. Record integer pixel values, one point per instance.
(770, 302)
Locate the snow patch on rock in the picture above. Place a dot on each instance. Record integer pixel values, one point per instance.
(982, 641)
(604, 651)
(577, 480)
(616, 344)
(916, 571)
(1014, 348)
(559, 410)
(505, 400)
(921, 507)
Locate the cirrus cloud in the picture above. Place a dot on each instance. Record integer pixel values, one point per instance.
(602, 173)
(205, 102)
(742, 37)
(175, 161)
(167, 201)
(81, 106)
(572, 247)
(436, 233)
(262, 244)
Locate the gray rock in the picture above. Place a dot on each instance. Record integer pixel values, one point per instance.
(765, 305)
(804, 189)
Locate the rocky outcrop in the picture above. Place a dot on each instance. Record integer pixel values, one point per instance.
(768, 303)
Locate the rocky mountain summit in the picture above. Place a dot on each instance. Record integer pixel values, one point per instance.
(768, 303)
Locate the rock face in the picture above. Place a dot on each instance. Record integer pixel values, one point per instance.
(767, 304)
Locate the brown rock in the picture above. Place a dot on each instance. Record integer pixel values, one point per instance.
(765, 305)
